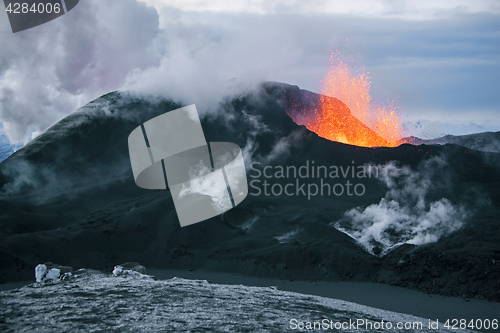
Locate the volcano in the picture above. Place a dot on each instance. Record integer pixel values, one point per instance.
(69, 197)
(331, 118)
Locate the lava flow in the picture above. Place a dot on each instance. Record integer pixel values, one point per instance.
(349, 117)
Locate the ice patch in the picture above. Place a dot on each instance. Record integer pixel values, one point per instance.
(249, 223)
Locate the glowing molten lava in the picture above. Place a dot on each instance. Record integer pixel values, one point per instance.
(350, 117)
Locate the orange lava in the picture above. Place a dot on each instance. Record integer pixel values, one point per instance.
(355, 121)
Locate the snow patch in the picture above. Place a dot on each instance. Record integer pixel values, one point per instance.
(287, 237)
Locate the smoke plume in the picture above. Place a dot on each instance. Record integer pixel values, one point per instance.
(412, 211)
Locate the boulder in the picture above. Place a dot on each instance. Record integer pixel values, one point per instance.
(49, 272)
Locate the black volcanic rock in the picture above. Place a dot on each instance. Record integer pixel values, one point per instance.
(69, 197)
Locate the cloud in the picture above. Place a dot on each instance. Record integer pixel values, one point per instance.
(445, 64)
(288, 236)
(444, 69)
(209, 56)
(406, 214)
(49, 71)
(414, 10)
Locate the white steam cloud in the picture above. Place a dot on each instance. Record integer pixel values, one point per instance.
(101, 46)
(49, 71)
(209, 56)
(405, 214)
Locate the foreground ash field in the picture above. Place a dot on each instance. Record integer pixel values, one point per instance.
(91, 301)
(429, 220)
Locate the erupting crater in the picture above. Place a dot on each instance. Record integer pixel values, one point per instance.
(334, 121)
(349, 117)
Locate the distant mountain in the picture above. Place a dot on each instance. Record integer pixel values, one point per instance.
(6, 148)
(69, 197)
(428, 129)
(487, 142)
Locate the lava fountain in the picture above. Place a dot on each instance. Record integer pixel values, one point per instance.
(346, 113)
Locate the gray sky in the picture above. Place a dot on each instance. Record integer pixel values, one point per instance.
(443, 56)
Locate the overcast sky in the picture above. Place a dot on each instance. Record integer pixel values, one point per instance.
(439, 57)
